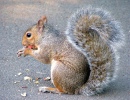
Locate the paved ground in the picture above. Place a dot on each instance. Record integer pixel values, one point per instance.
(16, 17)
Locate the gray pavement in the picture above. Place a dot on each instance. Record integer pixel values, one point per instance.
(17, 15)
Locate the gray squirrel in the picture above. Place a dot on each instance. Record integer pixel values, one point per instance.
(84, 58)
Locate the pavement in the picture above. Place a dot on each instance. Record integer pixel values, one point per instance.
(18, 15)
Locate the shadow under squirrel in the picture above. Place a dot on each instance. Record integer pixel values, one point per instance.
(84, 58)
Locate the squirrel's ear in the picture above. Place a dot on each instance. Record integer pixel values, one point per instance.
(41, 23)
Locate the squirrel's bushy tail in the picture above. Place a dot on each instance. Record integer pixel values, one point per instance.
(97, 36)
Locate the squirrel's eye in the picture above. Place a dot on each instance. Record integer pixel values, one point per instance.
(28, 35)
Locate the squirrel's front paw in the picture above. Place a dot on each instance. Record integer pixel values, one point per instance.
(20, 52)
(24, 51)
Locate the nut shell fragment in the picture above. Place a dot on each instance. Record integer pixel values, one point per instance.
(47, 79)
(36, 82)
(19, 73)
(16, 82)
(24, 94)
(26, 78)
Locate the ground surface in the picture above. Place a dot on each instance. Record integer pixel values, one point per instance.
(16, 16)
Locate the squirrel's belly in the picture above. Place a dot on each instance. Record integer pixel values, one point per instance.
(53, 67)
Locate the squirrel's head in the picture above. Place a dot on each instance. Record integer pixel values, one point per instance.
(33, 34)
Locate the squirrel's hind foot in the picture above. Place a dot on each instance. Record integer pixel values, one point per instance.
(45, 89)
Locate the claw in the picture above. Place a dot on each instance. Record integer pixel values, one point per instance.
(20, 52)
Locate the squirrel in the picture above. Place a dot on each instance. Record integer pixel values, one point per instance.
(84, 58)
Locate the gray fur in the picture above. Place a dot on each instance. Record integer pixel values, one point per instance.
(114, 40)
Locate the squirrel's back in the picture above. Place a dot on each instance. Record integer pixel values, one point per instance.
(98, 36)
